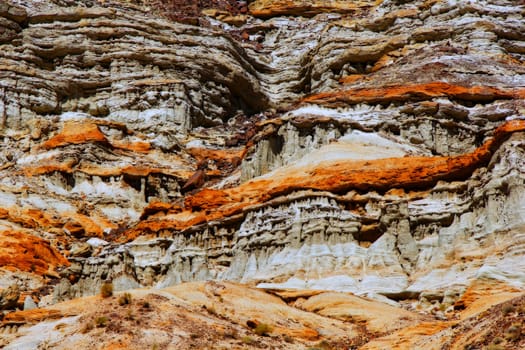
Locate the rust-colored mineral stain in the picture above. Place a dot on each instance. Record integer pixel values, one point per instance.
(85, 131)
(203, 154)
(76, 132)
(87, 226)
(272, 8)
(29, 218)
(154, 226)
(137, 146)
(338, 176)
(156, 207)
(334, 176)
(412, 92)
(25, 252)
(32, 316)
(480, 295)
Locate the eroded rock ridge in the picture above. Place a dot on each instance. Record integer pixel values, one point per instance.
(372, 147)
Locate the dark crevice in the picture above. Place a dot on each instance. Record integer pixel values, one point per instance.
(133, 181)
(276, 144)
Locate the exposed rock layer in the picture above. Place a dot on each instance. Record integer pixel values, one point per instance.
(215, 315)
(375, 147)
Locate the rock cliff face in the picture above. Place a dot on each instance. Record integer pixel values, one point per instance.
(371, 147)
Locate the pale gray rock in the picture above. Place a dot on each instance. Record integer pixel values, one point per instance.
(82, 249)
(165, 87)
(311, 241)
(29, 303)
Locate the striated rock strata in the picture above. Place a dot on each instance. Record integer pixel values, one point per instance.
(371, 147)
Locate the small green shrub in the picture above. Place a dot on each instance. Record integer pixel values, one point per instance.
(288, 338)
(322, 345)
(497, 340)
(106, 290)
(101, 321)
(247, 340)
(263, 329)
(521, 310)
(124, 299)
(507, 309)
(494, 347)
(130, 316)
(513, 332)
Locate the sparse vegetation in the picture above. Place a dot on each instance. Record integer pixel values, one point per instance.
(106, 290)
(498, 340)
(288, 338)
(124, 299)
(496, 344)
(521, 310)
(263, 329)
(322, 345)
(88, 326)
(130, 316)
(101, 321)
(507, 309)
(513, 333)
(494, 347)
(231, 333)
(247, 340)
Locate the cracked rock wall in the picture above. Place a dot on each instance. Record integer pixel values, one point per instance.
(375, 147)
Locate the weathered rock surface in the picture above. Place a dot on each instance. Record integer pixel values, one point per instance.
(9, 297)
(226, 315)
(201, 314)
(372, 147)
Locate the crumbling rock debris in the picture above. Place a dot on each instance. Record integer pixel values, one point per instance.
(9, 297)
